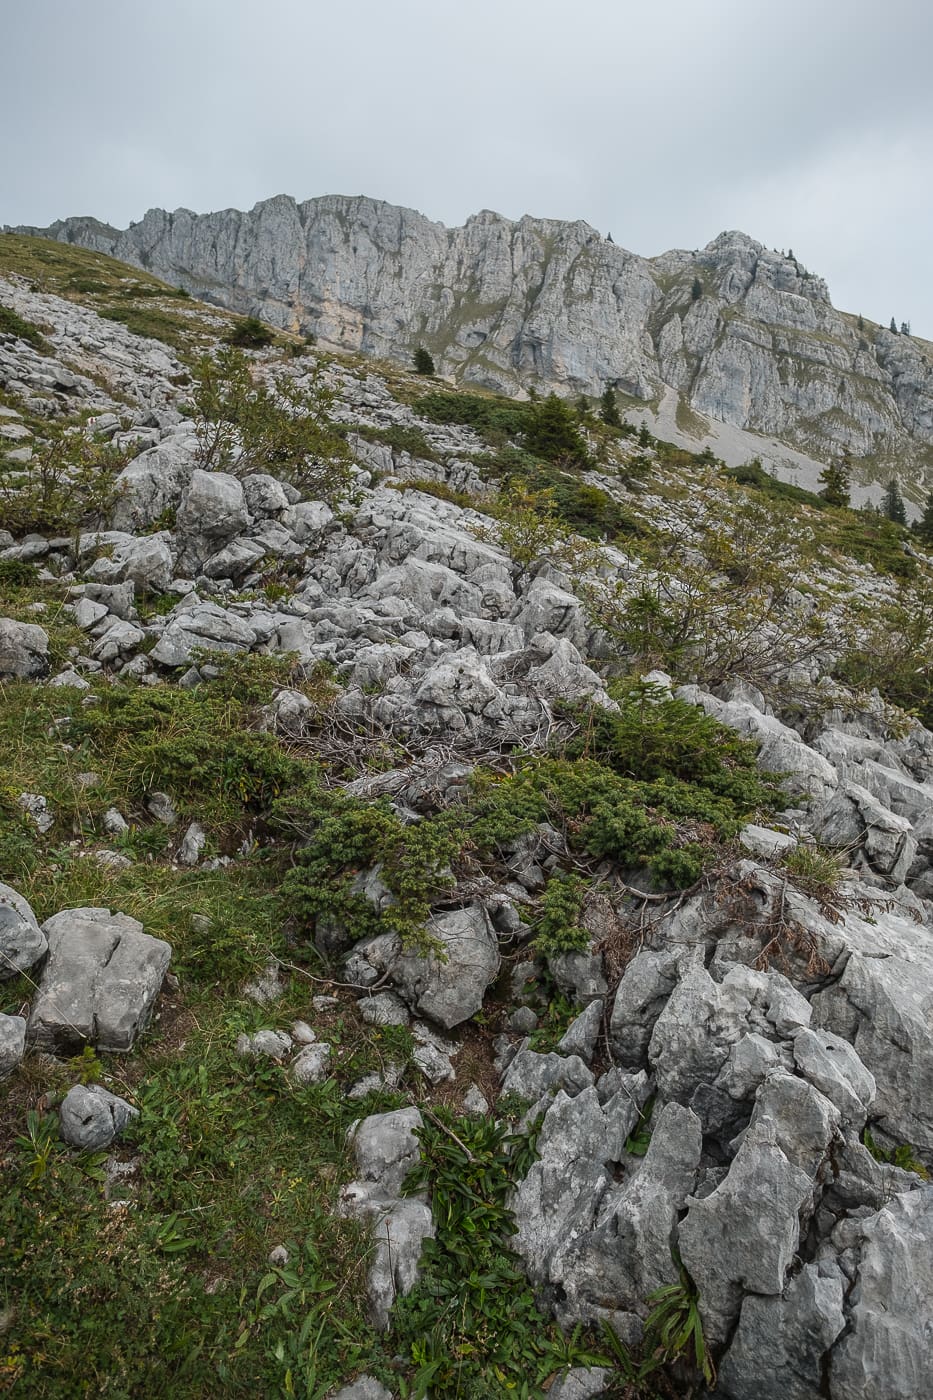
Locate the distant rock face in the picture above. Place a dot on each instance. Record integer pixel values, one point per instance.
(745, 335)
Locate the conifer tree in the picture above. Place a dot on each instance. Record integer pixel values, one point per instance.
(924, 526)
(423, 361)
(893, 326)
(552, 432)
(894, 503)
(696, 291)
(608, 411)
(835, 480)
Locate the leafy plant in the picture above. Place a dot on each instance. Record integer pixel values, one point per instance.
(529, 529)
(471, 1326)
(37, 1144)
(901, 1155)
(723, 601)
(890, 650)
(496, 418)
(552, 432)
(69, 480)
(674, 1325)
(639, 1139)
(283, 427)
(816, 871)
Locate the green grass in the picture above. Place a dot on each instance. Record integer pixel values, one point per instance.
(153, 323)
(12, 324)
(116, 291)
(173, 1295)
(399, 438)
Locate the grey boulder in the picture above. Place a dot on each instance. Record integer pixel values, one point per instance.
(100, 982)
(888, 1349)
(448, 986)
(22, 942)
(778, 1349)
(90, 1117)
(12, 1043)
(386, 1148)
(24, 650)
(212, 512)
(204, 627)
(153, 482)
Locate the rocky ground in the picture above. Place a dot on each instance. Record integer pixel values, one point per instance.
(341, 841)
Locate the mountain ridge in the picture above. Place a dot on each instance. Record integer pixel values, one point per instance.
(744, 336)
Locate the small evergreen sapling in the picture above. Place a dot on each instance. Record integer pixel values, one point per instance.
(423, 362)
(924, 526)
(249, 333)
(894, 507)
(835, 480)
(608, 411)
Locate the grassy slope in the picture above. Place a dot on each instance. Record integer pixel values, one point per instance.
(173, 1294)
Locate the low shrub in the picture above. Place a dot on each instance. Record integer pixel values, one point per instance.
(283, 427)
(498, 418)
(13, 324)
(249, 333)
(69, 481)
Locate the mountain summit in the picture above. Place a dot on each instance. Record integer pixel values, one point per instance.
(733, 334)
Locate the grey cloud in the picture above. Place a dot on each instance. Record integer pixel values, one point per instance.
(808, 125)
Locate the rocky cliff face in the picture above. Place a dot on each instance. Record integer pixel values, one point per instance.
(744, 335)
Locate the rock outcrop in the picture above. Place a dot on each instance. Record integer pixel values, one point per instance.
(743, 334)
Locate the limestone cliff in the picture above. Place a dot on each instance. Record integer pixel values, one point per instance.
(744, 335)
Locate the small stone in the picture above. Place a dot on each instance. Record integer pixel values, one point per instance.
(192, 844)
(90, 1117)
(161, 807)
(114, 823)
(384, 1009)
(87, 614)
(582, 1034)
(112, 860)
(363, 1388)
(475, 1102)
(37, 810)
(370, 1084)
(302, 1033)
(271, 1045)
(22, 942)
(434, 1065)
(523, 1021)
(310, 1064)
(69, 678)
(12, 1043)
(764, 843)
(278, 1256)
(325, 1003)
(266, 988)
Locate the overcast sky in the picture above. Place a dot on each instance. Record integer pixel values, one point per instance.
(808, 123)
